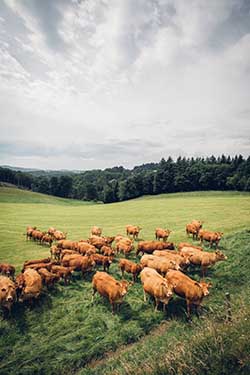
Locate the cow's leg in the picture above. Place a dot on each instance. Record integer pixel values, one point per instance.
(145, 296)
(156, 304)
(93, 293)
(188, 309)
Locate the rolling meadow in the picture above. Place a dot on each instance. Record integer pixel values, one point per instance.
(65, 333)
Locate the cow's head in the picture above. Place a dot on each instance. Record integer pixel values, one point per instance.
(123, 287)
(166, 291)
(204, 287)
(220, 255)
(7, 293)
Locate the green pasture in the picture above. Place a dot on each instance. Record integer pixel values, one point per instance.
(65, 333)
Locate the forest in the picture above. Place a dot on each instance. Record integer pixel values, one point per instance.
(119, 184)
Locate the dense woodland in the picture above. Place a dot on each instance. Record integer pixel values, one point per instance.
(119, 184)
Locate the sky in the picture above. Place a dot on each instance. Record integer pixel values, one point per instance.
(98, 83)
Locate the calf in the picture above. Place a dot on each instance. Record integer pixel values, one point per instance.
(156, 286)
(124, 246)
(206, 259)
(109, 287)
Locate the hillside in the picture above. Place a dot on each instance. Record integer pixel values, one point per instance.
(65, 332)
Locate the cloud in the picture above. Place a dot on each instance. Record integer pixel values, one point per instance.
(123, 81)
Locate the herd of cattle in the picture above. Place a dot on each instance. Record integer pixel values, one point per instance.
(162, 267)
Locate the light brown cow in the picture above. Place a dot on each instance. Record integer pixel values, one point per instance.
(185, 287)
(162, 233)
(35, 261)
(55, 252)
(47, 239)
(126, 265)
(156, 286)
(102, 260)
(107, 251)
(109, 287)
(188, 244)
(133, 230)
(124, 246)
(78, 263)
(160, 264)
(64, 273)
(59, 235)
(212, 237)
(29, 285)
(48, 278)
(67, 244)
(206, 259)
(181, 260)
(7, 294)
(7, 270)
(85, 248)
(96, 231)
(29, 231)
(51, 231)
(192, 229)
(150, 246)
(98, 242)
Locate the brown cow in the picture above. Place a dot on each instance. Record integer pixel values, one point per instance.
(212, 237)
(109, 287)
(160, 264)
(51, 231)
(58, 235)
(156, 286)
(107, 251)
(124, 246)
(64, 273)
(192, 229)
(126, 265)
(181, 260)
(47, 239)
(37, 235)
(85, 248)
(55, 252)
(98, 242)
(150, 246)
(187, 244)
(96, 231)
(133, 230)
(29, 231)
(7, 294)
(78, 263)
(36, 266)
(102, 260)
(67, 244)
(185, 287)
(206, 259)
(109, 240)
(162, 233)
(29, 284)
(35, 261)
(48, 278)
(7, 270)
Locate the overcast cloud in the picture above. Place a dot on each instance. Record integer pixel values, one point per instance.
(98, 83)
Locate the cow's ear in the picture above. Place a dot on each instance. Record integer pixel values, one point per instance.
(209, 284)
(196, 283)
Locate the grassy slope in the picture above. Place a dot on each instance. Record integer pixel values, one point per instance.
(64, 332)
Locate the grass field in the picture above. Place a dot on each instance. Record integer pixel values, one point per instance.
(66, 334)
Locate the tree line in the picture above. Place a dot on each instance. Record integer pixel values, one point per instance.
(119, 184)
